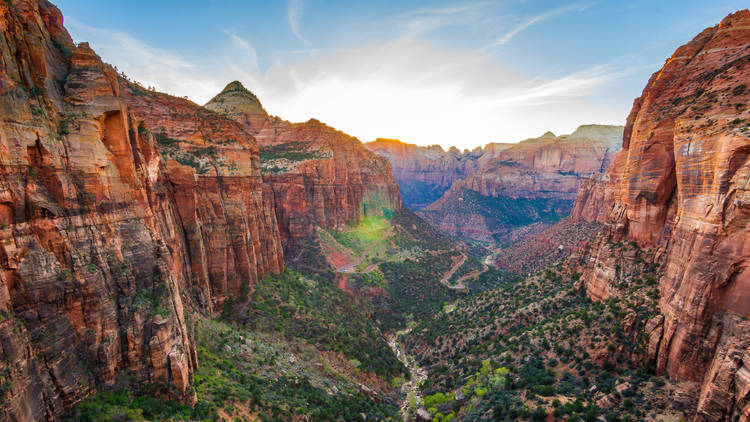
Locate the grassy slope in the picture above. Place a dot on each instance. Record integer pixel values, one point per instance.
(309, 307)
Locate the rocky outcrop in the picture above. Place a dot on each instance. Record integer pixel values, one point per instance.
(680, 201)
(547, 166)
(532, 181)
(594, 198)
(425, 173)
(213, 168)
(106, 235)
(316, 175)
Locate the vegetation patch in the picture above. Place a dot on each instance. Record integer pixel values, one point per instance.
(292, 151)
(543, 334)
(310, 307)
(414, 289)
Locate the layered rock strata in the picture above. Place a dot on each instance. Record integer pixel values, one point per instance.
(425, 173)
(680, 201)
(536, 179)
(106, 235)
(316, 175)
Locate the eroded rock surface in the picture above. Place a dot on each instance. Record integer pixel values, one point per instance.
(533, 181)
(680, 201)
(425, 173)
(315, 174)
(105, 236)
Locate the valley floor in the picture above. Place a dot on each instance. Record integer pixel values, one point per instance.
(407, 325)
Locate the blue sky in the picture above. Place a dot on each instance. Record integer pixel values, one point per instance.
(443, 72)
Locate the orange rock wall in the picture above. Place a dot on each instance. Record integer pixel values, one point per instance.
(426, 164)
(104, 240)
(679, 192)
(339, 181)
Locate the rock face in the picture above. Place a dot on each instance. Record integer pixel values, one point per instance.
(213, 168)
(107, 235)
(594, 199)
(316, 175)
(680, 199)
(425, 173)
(534, 180)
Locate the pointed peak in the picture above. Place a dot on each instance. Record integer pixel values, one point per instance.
(235, 86)
(236, 98)
(548, 135)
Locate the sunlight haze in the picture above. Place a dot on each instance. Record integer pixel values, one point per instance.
(450, 73)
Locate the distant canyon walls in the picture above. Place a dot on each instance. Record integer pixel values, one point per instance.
(489, 194)
(425, 173)
(678, 198)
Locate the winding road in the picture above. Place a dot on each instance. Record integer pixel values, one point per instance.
(460, 282)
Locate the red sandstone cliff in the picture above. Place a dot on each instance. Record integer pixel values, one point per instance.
(680, 201)
(213, 169)
(534, 180)
(545, 166)
(103, 236)
(316, 175)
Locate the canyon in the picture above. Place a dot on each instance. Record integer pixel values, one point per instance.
(425, 173)
(164, 260)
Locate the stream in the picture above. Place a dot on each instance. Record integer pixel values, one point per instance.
(409, 388)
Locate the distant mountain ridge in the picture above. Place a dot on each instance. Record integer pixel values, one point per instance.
(487, 193)
(425, 173)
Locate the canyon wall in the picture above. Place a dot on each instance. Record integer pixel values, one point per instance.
(533, 181)
(107, 234)
(680, 201)
(315, 174)
(425, 173)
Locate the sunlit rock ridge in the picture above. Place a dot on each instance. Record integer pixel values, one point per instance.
(316, 175)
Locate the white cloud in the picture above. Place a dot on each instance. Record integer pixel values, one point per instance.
(404, 88)
(419, 21)
(577, 84)
(424, 94)
(251, 56)
(535, 19)
(294, 14)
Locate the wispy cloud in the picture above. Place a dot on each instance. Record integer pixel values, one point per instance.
(294, 14)
(251, 56)
(578, 84)
(536, 19)
(131, 45)
(145, 63)
(398, 88)
(419, 21)
(402, 87)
